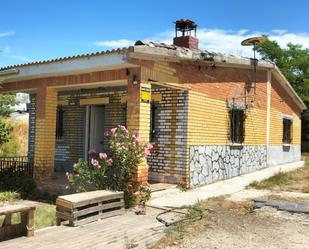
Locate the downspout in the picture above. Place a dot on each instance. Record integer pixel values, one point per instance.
(268, 104)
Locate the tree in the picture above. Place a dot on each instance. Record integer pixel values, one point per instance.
(293, 61)
(6, 102)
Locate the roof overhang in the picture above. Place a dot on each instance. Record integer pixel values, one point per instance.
(71, 66)
(287, 86)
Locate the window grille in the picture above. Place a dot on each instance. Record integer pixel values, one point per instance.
(287, 128)
(237, 127)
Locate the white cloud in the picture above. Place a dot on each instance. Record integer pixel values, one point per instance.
(220, 40)
(3, 34)
(279, 31)
(20, 57)
(115, 43)
(295, 38)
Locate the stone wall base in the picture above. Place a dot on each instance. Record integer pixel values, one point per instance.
(210, 163)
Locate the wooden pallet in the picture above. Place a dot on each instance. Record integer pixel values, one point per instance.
(25, 227)
(82, 208)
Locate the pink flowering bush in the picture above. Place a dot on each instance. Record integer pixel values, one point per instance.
(113, 168)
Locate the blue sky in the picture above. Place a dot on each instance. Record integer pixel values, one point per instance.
(35, 30)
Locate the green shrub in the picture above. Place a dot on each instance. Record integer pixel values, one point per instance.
(23, 185)
(5, 131)
(10, 148)
(113, 169)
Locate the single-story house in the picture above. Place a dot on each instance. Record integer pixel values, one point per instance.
(209, 115)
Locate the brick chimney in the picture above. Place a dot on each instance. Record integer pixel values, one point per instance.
(186, 39)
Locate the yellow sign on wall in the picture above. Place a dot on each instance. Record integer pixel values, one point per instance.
(145, 94)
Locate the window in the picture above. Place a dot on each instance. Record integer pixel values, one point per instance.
(237, 118)
(287, 127)
(59, 123)
(124, 108)
(153, 114)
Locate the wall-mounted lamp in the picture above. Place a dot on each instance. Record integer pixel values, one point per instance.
(128, 72)
(135, 79)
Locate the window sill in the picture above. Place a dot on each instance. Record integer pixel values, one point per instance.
(236, 144)
(286, 145)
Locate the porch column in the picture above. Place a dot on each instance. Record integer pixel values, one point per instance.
(138, 120)
(45, 132)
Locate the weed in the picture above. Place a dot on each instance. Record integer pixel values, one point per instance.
(130, 244)
(8, 196)
(278, 180)
(182, 186)
(45, 216)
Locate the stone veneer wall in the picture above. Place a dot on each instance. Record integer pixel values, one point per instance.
(168, 163)
(280, 154)
(210, 163)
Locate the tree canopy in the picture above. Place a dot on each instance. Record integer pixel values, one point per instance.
(293, 61)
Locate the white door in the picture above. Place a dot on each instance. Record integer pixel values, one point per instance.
(96, 128)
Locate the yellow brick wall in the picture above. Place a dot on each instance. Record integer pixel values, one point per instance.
(45, 134)
(255, 126)
(276, 128)
(138, 120)
(161, 71)
(296, 130)
(208, 122)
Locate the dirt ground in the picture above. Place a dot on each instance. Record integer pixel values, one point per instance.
(230, 223)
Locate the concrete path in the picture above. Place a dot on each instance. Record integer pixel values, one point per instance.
(176, 198)
(125, 231)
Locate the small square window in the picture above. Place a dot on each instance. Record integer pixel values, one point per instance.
(287, 131)
(237, 118)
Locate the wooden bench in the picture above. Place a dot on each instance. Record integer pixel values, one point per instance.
(82, 208)
(25, 227)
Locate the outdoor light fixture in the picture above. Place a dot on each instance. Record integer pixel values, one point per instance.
(135, 79)
(128, 72)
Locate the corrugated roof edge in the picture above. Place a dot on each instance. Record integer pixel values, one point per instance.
(118, 50)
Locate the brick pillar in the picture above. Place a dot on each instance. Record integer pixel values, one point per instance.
(45, 132)
(138, 120)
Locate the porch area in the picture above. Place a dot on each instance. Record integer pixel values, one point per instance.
(77, 118)
(115, 232)
(57, 185)
(71, 109)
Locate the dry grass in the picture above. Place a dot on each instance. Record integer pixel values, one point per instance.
(20, 132)
(212, 207)
(18, 145)
(45, 216)
(283, 197)
(293, 181)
